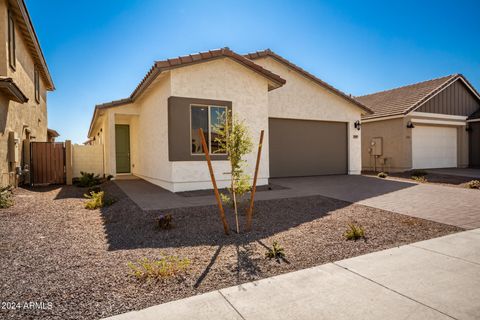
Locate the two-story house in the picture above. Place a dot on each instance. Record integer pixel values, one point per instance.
(24, 82)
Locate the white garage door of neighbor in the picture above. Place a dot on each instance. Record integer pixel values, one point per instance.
(434, 147)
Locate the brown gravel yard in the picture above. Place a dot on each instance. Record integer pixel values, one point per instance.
(54, 250)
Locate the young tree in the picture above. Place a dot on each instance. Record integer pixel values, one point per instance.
(233, 138)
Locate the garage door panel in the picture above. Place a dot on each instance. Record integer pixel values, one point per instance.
(305, 147)
(434, 147)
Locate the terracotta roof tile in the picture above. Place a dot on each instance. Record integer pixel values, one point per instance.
(402, 100)
(168, 64)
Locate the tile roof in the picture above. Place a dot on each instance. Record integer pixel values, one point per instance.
(270, 53)
(402, 100)
(161, 66)
(53, 133)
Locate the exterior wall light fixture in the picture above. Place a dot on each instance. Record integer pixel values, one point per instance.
(357, 125)
(410, 125)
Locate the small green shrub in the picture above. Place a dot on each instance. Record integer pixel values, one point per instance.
(97, 200)
(88, 180)
(166, 267)
(418, 173)
(6, 197)
(474, 184)
(109, 177)
(382, 175)
(354, 232)
(165, 222)
(275, 252)
(421, 179)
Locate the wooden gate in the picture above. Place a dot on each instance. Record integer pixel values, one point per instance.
(47, 163)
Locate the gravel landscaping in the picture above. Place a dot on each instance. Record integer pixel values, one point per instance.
(54, 251)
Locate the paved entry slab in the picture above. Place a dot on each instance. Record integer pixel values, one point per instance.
(444, 204)
(433, 279)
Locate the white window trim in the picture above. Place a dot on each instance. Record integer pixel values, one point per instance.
(209, 129)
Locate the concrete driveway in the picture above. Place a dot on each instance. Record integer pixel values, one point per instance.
(433, 279)
(454, 206)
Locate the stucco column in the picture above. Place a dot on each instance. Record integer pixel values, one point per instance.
(111, 162)
(354, 149)
(68, 162)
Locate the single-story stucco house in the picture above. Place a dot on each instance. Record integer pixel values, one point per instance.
(431, 124)
(310, 127)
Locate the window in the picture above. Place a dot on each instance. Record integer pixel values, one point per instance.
(208, 118)
(37, 85)
(11, 41)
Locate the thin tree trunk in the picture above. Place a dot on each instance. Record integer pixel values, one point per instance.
(254, 187)
(235, 201)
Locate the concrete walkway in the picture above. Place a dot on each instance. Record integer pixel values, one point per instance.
(433, 279)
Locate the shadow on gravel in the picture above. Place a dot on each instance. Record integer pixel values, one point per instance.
(129, 227)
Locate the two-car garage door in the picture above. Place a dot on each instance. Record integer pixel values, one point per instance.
(434, 147)
(307, 148)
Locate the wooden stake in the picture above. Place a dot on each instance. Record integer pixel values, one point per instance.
(254, 187)
(212, 176)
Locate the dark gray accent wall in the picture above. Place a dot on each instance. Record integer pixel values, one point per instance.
(307, 148)
(179, 143)
(456, 99)
(474, 143)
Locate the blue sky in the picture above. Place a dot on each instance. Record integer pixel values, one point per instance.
(98, 51)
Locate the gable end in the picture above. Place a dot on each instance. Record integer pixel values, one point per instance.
(455, 99)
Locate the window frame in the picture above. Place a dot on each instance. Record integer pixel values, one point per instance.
(12, 41)
(192, 105)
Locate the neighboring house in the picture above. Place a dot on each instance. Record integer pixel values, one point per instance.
(310, 126)
(431, 124)
(24, 80)
(52, 135)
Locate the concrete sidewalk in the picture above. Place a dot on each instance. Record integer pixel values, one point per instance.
(433, 279)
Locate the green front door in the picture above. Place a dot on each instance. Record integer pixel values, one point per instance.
(122, 147)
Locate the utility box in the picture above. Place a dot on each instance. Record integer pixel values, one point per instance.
(13, 147)
(376, 145)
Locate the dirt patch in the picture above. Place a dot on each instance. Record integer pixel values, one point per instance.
(53, 250)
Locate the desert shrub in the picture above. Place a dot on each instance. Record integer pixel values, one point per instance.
(88, 180)
(275, 252)
(97, 200)
(421, 179)
(6, 197)
(354, 232)
(165, 222)
(418, 173)
(382, 175)
(109, 177)
(166, 267)
(474, 184)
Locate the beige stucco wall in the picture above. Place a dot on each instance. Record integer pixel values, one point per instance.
(14, 116)
(396, 141)
(301, 98)
(87, 159)
(223, 79)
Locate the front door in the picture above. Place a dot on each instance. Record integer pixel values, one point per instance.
(122, 147)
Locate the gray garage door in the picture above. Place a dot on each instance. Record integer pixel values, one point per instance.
(307, 148)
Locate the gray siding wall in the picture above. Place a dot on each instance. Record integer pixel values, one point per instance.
(456, 99)
(474, 144)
